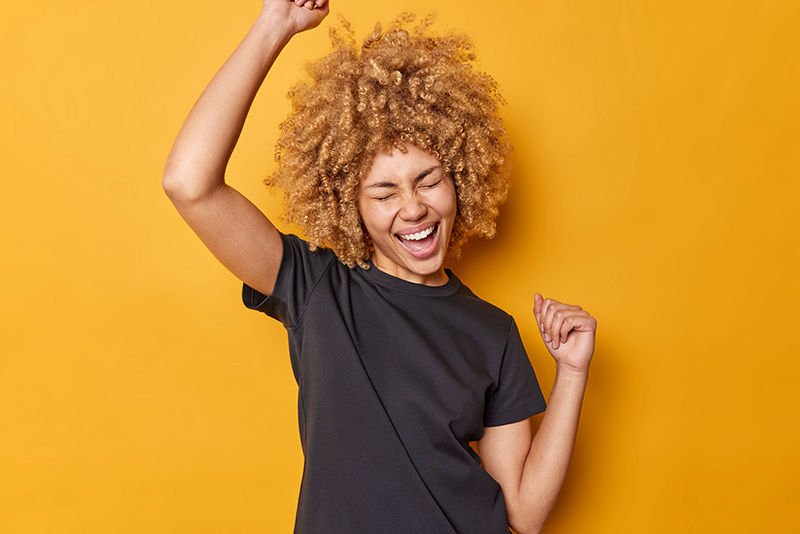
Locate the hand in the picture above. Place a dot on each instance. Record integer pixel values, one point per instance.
(568, 332)
(295, 15)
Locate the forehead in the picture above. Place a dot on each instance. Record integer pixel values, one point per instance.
(399, 166)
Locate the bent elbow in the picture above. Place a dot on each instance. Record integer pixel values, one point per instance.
(171, 185)
(528, 529)
(526, 525)
(179, 189)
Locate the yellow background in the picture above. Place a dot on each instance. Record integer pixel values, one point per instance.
(656, 185)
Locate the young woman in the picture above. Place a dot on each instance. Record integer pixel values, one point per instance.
(392, 156)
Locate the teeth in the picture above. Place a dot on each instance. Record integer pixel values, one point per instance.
(419, 235)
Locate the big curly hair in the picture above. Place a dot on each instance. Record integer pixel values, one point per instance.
(399, 86)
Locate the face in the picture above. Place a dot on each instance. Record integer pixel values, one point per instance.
(408, 205)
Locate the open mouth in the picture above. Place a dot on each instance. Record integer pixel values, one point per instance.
(422, 244)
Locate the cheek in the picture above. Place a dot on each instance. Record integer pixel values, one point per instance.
(449, 204)
(363, 211)
(451, 197)
(374, 218)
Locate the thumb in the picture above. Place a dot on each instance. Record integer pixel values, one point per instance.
(538, 300)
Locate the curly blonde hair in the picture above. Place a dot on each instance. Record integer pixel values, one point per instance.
(398, 87)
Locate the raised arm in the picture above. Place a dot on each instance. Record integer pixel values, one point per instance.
(233, 228)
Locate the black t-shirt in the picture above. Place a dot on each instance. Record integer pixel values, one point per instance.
(395, 379)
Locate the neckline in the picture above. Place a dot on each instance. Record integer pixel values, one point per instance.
(388, 280)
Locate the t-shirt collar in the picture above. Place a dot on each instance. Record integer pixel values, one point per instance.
(388, 280)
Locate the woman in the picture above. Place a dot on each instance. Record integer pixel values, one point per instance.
(392, 156)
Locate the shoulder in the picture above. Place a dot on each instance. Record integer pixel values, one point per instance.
(306, 246)
(306, 254)
(490, 314)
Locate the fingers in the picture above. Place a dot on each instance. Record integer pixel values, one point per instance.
(551, 316)
(563, 320)
(309, 4)
(544, 315)
(562, 329)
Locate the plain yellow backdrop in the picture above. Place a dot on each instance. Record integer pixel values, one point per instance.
(655, 184)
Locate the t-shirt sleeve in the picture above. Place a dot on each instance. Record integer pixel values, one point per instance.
(299, 272)
(516, 395)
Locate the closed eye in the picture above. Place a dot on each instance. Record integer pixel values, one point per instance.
(434, 184)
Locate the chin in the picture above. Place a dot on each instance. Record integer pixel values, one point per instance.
(425, 268)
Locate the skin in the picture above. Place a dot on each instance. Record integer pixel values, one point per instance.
(402, 191)
(236, 232)
(530, 470)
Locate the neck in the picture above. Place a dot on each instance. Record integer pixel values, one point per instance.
(436, 278)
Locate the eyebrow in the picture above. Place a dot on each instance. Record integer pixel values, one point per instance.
(421, 175)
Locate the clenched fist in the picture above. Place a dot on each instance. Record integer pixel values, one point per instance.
(295, 15)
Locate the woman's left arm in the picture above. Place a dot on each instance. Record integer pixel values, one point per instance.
(531, 471)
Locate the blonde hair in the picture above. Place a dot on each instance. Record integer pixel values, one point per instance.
(398, 87)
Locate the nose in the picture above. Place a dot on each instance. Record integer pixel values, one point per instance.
(413, 209)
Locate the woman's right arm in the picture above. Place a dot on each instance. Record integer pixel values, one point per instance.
(233, 228)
